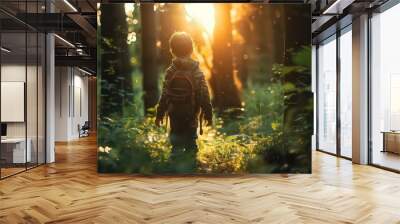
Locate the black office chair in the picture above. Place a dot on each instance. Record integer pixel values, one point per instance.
(84, 130)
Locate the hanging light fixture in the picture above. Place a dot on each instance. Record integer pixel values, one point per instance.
(71, 6)
(5, 50)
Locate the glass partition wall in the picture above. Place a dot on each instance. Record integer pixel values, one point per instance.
(327, 95)
(345, 91)
(334, 105)
(22, 88)
(13, 89)
(385, 89)
(334, 94)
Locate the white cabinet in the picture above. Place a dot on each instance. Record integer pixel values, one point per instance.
(19, 155)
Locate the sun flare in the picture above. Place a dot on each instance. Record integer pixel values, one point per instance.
(203, 13)
(129, 8)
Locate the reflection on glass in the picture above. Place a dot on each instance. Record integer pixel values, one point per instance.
(31, 101)
(346, 94)
(327, 96)
(386, 89)
(41, 99)
(22, 91)
(14, 151)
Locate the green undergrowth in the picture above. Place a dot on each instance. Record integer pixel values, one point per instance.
(255, 140)
(133, 144)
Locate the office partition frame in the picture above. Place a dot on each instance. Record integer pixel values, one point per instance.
(43, 55)
(380, 9)
(339, 32)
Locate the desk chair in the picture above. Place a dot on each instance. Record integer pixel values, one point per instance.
(84, 130)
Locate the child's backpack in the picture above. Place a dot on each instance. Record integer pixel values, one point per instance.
(180, 90)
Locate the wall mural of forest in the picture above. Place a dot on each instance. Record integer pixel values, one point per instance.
(203, 88)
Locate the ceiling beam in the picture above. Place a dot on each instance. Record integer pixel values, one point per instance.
(89, 30)
(78, 61)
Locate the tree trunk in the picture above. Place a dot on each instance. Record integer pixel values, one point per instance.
(268, 22)
(225, 92)
(279, 33)
(240, 56)
(149, 57)
(172, 19)
(115, 77)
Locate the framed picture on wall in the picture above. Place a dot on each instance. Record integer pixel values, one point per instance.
(204, 88)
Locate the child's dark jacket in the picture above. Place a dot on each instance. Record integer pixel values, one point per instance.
(186, 122)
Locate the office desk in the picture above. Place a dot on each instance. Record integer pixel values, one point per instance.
(391, 141)
(13, 150)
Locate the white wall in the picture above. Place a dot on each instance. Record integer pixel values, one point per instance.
(62, 81)
(81, 104)
(71, 102)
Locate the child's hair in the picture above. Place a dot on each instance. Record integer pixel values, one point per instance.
(181, 44)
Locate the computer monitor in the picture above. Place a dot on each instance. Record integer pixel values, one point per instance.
(3, 129)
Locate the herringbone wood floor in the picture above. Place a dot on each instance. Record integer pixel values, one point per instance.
(70, 191)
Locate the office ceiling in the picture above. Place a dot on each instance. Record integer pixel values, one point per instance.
(76, 22)
(17, 53)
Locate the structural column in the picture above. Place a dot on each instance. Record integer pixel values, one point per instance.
(50, 92)
(360, 89)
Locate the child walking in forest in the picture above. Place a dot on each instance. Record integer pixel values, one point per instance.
(184, 100)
